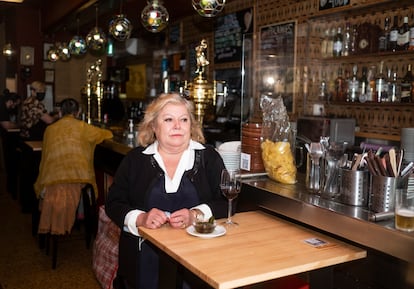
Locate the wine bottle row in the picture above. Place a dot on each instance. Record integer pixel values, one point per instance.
(368, 38)
(368, 84)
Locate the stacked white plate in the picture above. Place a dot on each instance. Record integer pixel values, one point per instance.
(230, 153)
(407, 143)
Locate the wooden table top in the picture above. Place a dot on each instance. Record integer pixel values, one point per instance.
(263, 247)
(35, 145)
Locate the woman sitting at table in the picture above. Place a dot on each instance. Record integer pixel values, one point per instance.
(65, 168)
(171, 177)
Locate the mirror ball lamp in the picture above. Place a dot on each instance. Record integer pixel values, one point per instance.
(154, 16)
(208, 8)
(96, 39)
(77, 45)
(120, 27)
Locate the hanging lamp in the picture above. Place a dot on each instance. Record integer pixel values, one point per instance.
(8, 50)
(120, 27)
(208, 8)
(77, 45)
(53, 54)
(154, 16)
(96, 38)
(63, 50)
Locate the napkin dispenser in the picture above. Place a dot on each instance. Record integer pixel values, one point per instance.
(338, 129)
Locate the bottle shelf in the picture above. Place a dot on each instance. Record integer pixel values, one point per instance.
(374, 56)
(371, 103)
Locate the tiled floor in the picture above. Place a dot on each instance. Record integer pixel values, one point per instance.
(24, 266)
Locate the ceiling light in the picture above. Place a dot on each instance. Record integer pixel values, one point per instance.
(96, 38)
(53, 54)
(77, 45)
(8, 50)
(208, 8)
(64, 52)
(120, 27)
(154, 16)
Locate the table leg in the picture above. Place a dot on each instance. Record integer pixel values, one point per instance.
(321, 278)
(169, 277)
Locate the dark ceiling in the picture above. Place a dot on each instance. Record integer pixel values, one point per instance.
(61, 16)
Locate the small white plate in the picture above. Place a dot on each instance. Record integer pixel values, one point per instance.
(218, 231)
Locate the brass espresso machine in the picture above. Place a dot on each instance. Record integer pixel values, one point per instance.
(93, 92)
(201, 92)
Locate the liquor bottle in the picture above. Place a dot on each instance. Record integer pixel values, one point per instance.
(338, 43)
(381, 87)
(353, 85)
(393, 35)
(393, 87)
(323, 89)
(354, 39)
(403, 36)
(325, 44)
(347, 38)
(165, 79)
(385, 34)
(371, 93)
(406, 85)
(347, 78)
(363, 86)
(329, 46)
(340, 89)
(411, 46)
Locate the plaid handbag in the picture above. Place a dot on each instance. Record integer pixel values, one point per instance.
(105, 250)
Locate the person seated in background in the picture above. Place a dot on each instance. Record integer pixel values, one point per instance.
(8, 105)
(66, 166)
(171, 177)
(35, 117)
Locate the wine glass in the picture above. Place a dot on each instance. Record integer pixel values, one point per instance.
(230, 186)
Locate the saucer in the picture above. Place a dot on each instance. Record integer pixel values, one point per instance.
(218, 231)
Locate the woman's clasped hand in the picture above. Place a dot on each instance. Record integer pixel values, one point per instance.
(155, 218)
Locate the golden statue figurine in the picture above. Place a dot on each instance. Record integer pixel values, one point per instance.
(201, 57)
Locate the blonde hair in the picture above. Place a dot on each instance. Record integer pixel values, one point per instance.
(38, 86)
(146, 134)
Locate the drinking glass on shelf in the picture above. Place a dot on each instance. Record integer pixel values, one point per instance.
(230, 185)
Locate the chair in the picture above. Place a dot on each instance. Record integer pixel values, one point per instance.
(86, 214)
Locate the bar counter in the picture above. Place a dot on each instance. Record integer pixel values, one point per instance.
(390, 260)
(349, 222)
(293, 201)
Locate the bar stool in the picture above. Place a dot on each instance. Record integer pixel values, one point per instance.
(86, 215)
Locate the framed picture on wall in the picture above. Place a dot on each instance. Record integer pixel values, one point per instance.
(228, 35)
(277, 59)
(27, 55)
(49, 76)
(136, 86)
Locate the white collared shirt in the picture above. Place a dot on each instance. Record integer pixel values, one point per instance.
(171, 185)
(186, 163)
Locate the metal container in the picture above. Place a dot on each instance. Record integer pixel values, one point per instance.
(354, 187)
(382, 196)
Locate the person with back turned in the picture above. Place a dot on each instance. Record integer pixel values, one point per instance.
(66, 166)
(171, 177)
